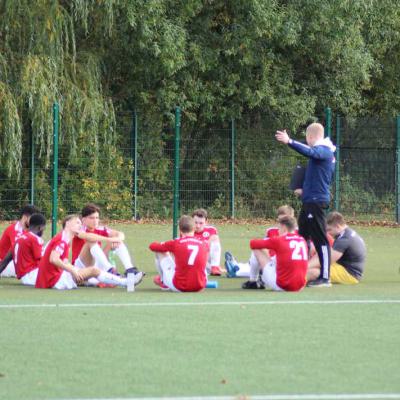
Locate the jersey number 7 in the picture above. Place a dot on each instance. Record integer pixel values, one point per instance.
(193, 253)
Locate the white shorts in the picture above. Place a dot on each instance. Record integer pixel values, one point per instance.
(9, 271)
(29, 279)
(268, 275)
(66, 282)
(167, 265)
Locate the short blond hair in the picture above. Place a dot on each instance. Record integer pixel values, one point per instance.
(289, 222)
(315, 129)
(68, 218)
(285, 210)
(335, 218)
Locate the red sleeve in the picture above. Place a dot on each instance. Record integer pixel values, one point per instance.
(262, 244)
(162, 247)
(60, 248)
(5, 242)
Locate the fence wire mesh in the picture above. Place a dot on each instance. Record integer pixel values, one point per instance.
(365, 185)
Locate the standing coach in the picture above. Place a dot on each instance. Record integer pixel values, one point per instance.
(315, 195)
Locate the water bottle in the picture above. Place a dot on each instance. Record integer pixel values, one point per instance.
(212, 285)
(130, 282)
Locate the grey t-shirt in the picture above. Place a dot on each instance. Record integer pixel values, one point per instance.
(354, 252)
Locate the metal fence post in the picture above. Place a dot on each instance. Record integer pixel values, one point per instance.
(134, 156)
(328, 121)
(398, 169)
(337, 166)
(32, 169)
(55, 171)
(232, 170)
(176, 172)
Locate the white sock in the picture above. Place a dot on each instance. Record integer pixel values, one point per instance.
(254, 267)
(158, 266)
(208, 268)
(244, 270)
(122, 252)
(99, 256)
(215, 253)
(111, 279)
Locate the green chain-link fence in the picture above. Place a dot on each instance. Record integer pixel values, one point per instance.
(367, 170)
(236, 170)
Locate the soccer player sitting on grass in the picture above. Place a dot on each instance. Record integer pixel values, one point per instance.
(87, 250)
(10, 235)
(245, 270)
(287, 270)
(210, 234)
(186, 272)
(348, 253)
(27, 251)
(55, 271)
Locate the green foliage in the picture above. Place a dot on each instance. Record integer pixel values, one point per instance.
(285, 60)
(107, 184)
(357, 202)
(11, 133)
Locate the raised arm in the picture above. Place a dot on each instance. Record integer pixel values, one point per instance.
(317, 152)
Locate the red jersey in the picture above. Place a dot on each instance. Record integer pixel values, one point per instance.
(27, 253)
(191, 256)
(291, 259)
(9, 237)
(49, 274)
(77, 243)
(206, 233)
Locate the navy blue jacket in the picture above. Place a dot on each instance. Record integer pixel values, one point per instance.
(319, 171)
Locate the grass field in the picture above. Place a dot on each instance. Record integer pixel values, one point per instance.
(336, 343)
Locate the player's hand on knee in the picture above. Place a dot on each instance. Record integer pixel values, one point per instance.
(78, 277)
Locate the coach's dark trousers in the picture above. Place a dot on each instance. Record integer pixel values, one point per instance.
(312, 225)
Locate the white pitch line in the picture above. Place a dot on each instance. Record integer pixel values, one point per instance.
(202, 303)
(333, 396)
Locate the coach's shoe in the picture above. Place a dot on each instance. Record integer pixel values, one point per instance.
(216, 271)
(157, 280)
(320, 282)
(253, 285)
(230, 265)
